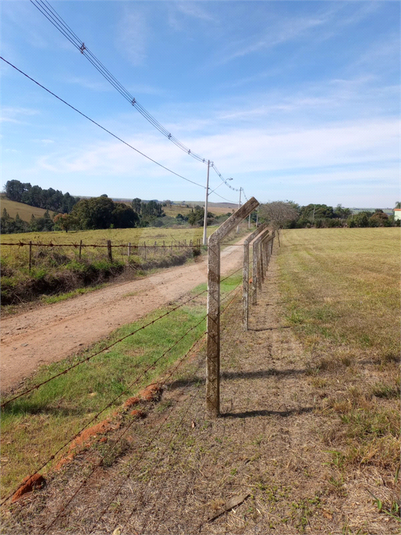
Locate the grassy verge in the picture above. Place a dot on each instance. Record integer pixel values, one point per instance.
(341, 295)
(38, 424)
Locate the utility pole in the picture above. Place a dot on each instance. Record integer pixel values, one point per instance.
(206, 202)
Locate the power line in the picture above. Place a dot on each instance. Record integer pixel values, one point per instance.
(221, 197)
(52, 16)
(100, 126)
(213, 165)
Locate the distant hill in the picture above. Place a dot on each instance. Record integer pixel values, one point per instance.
(23, 210)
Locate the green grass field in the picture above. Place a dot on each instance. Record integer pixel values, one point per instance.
(59, 269)
(214, 208)
(136, 236)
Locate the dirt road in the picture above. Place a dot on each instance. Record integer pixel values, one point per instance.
(53, 332)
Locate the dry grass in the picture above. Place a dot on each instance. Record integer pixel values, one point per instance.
(309, 431)
(342, 298)
(23, 210)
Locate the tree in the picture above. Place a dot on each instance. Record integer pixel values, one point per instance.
(49, 199)
(65, 221)
(398, 205)
(279, 213)
(136, 205)
(124, 216)
(378, 219)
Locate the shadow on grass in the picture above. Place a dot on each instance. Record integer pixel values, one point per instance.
(257, 374)
(252, 414)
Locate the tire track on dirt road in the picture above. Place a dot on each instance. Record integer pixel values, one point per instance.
(50, 333)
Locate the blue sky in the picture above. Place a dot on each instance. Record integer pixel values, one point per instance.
(294, 100)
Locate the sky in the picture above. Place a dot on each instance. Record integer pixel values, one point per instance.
(295, 100)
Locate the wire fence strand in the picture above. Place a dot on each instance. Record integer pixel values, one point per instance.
(87, 359)
(126, 429)
(112, 402)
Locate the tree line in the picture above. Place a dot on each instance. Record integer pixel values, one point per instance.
(48, 199)
(88, 214)
(291, 215)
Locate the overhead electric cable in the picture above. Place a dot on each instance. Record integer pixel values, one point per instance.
(221, 197)
(221, 177)
(52, 16)
(102, 127)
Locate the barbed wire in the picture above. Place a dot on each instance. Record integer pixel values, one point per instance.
(143, 453)
(126, 429)
(231, 274)
(174, 436)
(35, 387)
(94, 418)
(96, 246)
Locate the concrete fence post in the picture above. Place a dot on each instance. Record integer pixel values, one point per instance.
(256, 275)
(213, 307)
(245, 277)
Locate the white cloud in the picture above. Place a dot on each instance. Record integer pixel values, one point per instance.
(277, 32)
(365, 143)
(16, 114)
(194, 10)
(133, 35)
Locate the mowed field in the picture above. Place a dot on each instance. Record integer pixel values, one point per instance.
(341, 294)
(214, 208)
(23, 210)
(342, 287)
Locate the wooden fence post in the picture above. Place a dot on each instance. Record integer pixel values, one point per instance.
(109, 253)
(80, 250)
(128, 252)
(144, 249)
(213, 307)
(30, 257)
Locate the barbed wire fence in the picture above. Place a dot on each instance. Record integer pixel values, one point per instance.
(38, 253)
(232, 296)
